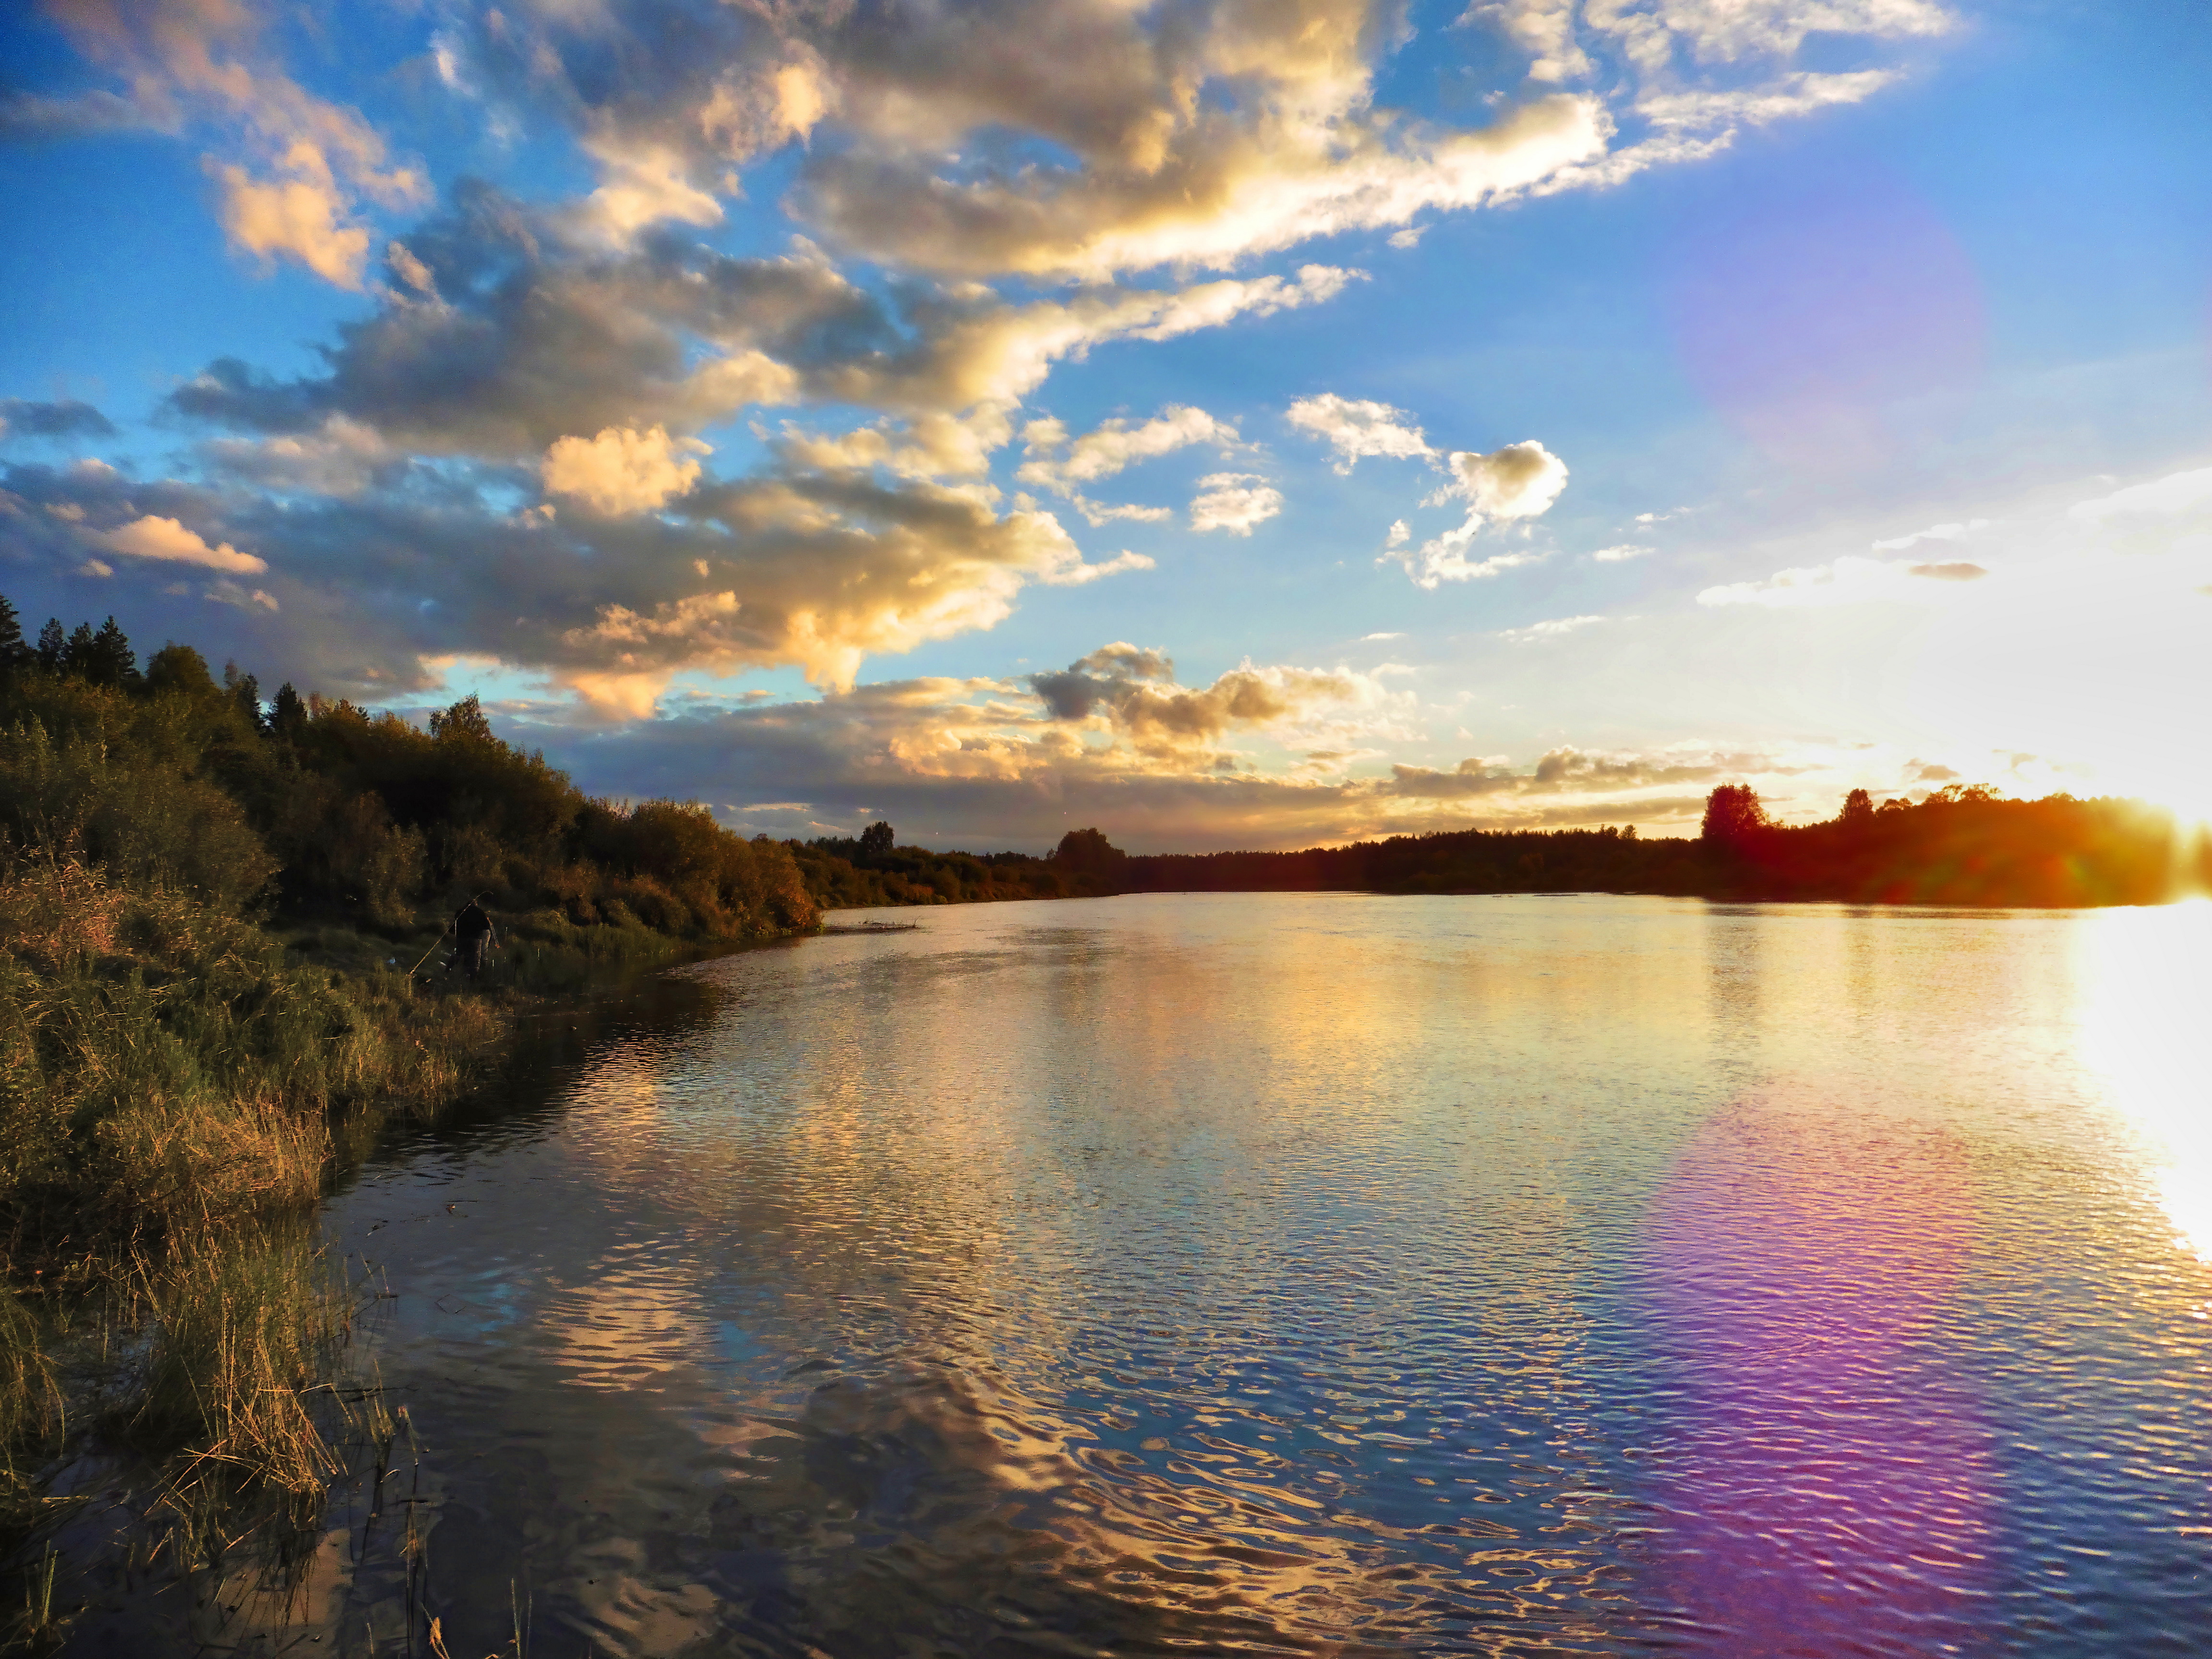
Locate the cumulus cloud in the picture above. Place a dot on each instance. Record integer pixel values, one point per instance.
(622, 470)
(161, 539)
(1544, 29)
(1620, 553)
(1358, 426)
(65, 418)
(1234, 501)
(344, 458)
(305, 168)
(1132, 690)
(1520, 481)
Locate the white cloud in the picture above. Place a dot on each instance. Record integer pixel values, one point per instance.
(1364, 638)
(1356, 427)
(1727, 30)
(1941, 533)
(1847, 580)
(1557, 627)
(1078, 574)
(1400, 533)
(622, 472)
(1620, 553)
(1520, 481)
(1234, 501)
(1115, 445)
(1543, 28)
(2178, 492)
(166, 539)
(313, 163)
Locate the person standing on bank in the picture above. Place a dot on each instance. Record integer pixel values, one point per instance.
(473, 931)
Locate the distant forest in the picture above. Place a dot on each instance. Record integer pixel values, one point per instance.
(322, 807)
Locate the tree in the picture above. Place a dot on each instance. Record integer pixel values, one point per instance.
(53, 647)
(1733, 816)
(247, 689)
(877, 839)
(1858, 808)
(14, 653)
(464, 722)
(288, 715)
(179, 668)
(110, 660)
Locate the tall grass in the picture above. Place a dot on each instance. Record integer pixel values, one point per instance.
(176, 1087)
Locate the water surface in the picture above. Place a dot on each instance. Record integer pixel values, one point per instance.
(1330, 1274)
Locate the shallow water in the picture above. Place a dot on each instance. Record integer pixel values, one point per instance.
(1327, 1273)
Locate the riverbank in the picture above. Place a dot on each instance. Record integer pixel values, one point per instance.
(179, 1086)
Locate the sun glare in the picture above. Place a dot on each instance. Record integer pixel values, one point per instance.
(2146, 974)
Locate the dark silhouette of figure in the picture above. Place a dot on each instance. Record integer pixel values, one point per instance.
(475, 934)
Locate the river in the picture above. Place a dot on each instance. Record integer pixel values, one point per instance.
(1325, 1274)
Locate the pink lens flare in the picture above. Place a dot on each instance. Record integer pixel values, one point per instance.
(1826, 1492)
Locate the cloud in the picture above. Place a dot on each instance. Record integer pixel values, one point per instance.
(1364, 638)
(1620, 553)
(1941, 533)
(622, 470)
(67, 418)
(1556, 628)
(1356, 428)
(1132, 690)
(1520, 481)
(1726, 31)
(1444, 558)
(1234, 501)
(308, 166)
(344, 458)
(1543, 28)
(1846, 582)
(2176, 493)
(536, 336)
(1114, 445)
(154, 537)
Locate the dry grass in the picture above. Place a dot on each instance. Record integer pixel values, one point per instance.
(176, 1090)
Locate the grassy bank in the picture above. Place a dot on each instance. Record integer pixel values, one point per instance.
(221, 979)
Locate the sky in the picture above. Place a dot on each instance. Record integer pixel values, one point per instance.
(1225, 422)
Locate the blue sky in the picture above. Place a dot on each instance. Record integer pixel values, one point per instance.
(727, 393)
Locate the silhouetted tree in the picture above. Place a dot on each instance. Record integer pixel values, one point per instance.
(288, 715)
(111, 661)
(179, 668)
(14, 653)
(1858, 807)
(1733, 816)
(877, 839)
(464, 721)
(53, 650)
(247, 689)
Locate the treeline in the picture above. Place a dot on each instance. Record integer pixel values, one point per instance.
(855, 872)
(323, 810)
(1964, 845)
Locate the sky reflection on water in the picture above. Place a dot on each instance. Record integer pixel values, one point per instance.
(1331, 1275)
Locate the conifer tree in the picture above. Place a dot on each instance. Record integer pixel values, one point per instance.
(53, 647)
(14, 653)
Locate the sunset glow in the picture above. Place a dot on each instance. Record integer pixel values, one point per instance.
(1388, 417)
